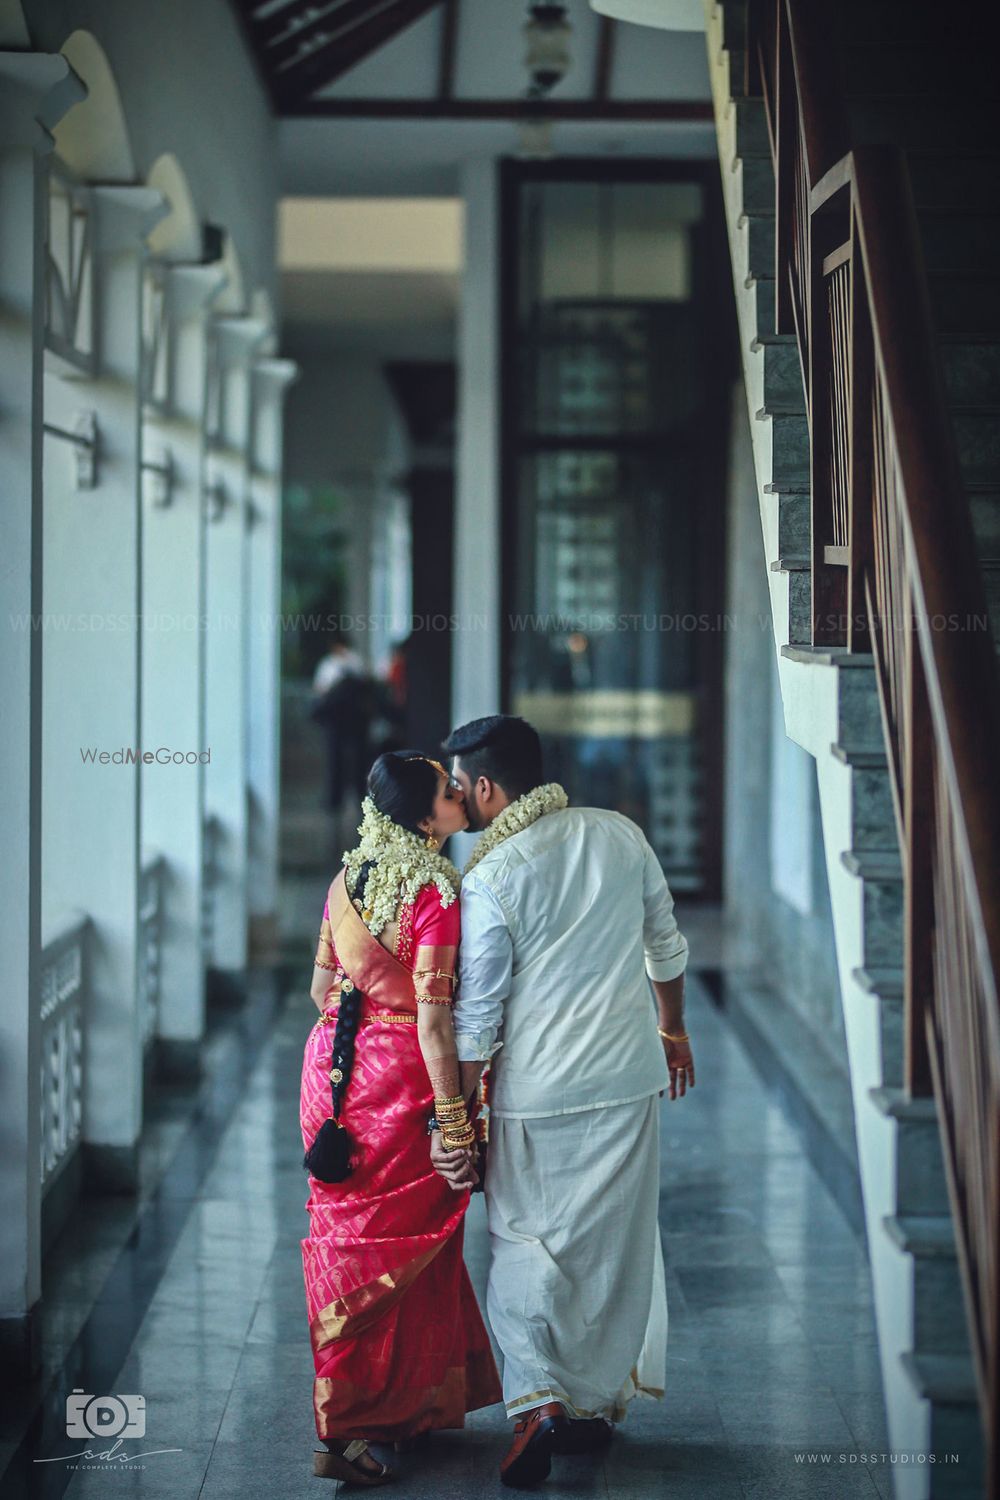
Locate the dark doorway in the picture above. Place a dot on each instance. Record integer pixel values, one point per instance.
(618, 352)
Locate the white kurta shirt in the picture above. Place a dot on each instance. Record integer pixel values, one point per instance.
(561, 926)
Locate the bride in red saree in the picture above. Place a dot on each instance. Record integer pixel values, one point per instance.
(398, 1341)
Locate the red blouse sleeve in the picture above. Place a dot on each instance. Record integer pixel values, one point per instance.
(436, 931)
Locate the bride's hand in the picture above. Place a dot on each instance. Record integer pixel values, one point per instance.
(456, 1167)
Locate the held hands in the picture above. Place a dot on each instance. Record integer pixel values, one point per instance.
(456, 1167)
(680, 1062)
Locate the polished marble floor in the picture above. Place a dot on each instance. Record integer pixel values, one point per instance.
(192, 1298)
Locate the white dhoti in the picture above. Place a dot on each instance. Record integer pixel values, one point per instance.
(576, 1295)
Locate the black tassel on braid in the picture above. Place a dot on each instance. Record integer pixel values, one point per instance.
(329, 1157)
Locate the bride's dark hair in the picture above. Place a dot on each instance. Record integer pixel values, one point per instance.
(403, 786)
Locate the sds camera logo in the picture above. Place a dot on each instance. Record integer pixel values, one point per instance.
(90, 1416)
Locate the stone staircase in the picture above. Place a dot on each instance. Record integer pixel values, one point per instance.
(830, 697)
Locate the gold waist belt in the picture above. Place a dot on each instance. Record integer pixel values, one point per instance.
(382, 1015)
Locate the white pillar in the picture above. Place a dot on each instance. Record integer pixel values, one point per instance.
(271, 379)
(35, 91)
(235, 341)
(91, 681)
(173, 639)
(476, 661)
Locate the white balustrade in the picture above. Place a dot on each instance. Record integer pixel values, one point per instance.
(63, 997)
(150, 942)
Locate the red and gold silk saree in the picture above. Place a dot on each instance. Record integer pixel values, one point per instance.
(398, 1341)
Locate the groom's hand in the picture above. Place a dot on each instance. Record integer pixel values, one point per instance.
(456, 1167)
(680, 1063)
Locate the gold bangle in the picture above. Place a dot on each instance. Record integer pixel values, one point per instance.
(458, 1142)
(452, 1099)
(667, 1037)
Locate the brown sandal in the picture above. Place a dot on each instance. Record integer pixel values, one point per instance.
(344, 1466)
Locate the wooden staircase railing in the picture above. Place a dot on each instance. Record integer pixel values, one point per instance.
(895, 572)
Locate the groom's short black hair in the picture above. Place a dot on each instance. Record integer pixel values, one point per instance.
(504, 748)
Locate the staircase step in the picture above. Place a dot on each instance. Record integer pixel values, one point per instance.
(764, 315)
(756, 184)
(732, 23)
(948, 1383)
(859, 718)
(829, 656)
(783, 392)
(793, 525)
(920, 1181)
(887, 994)
(885, 984)
(760, 243)
(971, 373)
(941, 1377)
(789, 452)
(939, 1321)
(873, 817)
(929, 1236)
(800, 607)
(734, 60)
(859, 760)
(921, 1186)
(751, 135)
(892, 1040)
(873, 864)
(898, 1104)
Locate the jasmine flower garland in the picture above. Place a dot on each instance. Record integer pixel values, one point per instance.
(517, 816)
(402, 865)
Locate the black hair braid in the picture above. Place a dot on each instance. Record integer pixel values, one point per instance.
(329, 1157)
(345, 1034)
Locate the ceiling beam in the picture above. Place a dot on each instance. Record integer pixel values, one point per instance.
(245, 24)
(501, 109)
(279, 21)
(604, 59)
(449, 45)
(339, 57)
(333, 26)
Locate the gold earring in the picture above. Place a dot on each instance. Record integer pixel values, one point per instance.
(433, 842)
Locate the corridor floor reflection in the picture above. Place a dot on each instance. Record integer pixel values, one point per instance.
(772, 1349)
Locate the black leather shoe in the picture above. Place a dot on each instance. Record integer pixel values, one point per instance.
(583, 1435)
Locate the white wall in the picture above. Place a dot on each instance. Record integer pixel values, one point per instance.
(188, 85)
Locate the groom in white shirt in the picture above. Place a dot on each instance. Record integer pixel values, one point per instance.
(566, 915)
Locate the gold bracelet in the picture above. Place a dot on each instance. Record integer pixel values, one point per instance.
(667, 1037)
(452, 1099)
(458, 1142)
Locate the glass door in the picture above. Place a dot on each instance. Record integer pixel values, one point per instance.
(613, 501)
